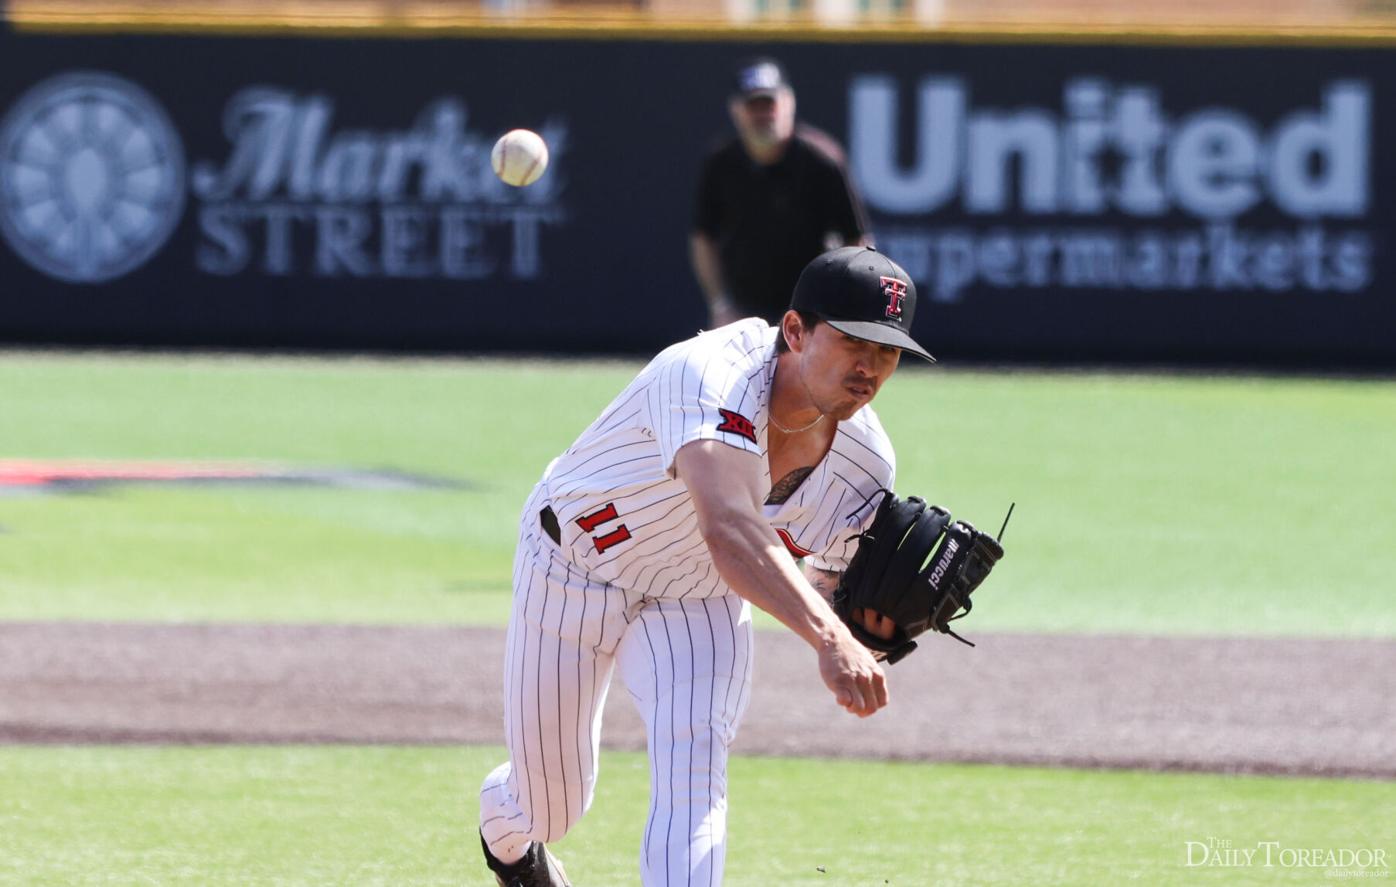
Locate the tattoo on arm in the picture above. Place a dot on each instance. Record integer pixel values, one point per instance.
(824, 581)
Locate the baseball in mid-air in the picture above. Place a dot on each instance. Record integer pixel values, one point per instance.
(519, 157)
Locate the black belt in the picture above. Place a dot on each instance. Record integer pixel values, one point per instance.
(548, 521)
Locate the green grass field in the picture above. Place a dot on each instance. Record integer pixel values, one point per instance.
(1150, 504)
(1145, 503)
(391, 816)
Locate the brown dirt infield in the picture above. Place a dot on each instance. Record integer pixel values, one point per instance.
(1291, 706)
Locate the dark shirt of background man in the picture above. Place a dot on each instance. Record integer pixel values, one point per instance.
(769, 221)
(768, 202)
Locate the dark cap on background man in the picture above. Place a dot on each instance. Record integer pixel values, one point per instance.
(861, 293)
(759, 77)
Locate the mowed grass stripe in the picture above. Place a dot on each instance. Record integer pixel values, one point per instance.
(241, 816)
(1159, 504)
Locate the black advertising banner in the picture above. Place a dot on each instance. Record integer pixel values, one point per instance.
(1052, 202)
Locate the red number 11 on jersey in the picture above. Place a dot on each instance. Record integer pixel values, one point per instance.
(604, 515)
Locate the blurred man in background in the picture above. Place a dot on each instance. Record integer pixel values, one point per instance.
(769, 201)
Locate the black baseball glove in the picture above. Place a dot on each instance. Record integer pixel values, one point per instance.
(916, 567)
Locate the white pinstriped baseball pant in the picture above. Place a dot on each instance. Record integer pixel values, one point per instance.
(687, 665)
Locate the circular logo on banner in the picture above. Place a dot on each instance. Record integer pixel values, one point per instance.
(91, 177)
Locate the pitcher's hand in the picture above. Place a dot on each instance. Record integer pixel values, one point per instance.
(852, 675)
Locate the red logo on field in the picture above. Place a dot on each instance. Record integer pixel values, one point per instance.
(895, 291)
(19, 476)
(790, 545)
(736, 423)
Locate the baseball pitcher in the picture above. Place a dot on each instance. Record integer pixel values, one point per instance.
(742, 466)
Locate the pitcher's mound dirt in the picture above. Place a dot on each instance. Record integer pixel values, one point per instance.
(1297, 706)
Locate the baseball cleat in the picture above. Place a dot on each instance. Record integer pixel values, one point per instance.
(538, 868)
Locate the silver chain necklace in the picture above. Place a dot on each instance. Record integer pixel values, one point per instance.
(782, 428)
(771, 414)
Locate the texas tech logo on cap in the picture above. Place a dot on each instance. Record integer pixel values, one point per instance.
(895, 291)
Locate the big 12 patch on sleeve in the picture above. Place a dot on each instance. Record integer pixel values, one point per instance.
(735, 423)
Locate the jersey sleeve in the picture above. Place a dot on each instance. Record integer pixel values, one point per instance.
(708, 392)
(835, 558)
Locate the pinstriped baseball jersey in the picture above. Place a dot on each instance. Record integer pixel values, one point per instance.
(628, 521)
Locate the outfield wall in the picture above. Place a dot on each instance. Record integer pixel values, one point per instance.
(1054, 200)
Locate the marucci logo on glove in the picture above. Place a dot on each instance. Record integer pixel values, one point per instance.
(951, 546)
(889, 574)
